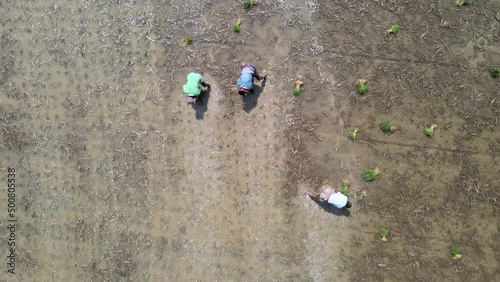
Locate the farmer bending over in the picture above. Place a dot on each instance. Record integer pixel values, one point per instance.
(331, 196)
(192, 87)
(245, 82)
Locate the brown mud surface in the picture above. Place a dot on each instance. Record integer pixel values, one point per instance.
(120, 180)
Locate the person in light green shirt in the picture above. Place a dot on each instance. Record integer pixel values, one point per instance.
(192, 87)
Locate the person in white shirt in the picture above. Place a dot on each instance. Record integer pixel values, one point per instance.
(331, 196)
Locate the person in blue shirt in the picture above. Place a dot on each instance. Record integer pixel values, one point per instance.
(245, 82)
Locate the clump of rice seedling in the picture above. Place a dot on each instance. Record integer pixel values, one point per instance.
(352, 134)
(463, 2)
(495, 72)
(186, 41)
(362, 89)
(297, 90)
(247, 5)
(237, 26)
(345, 187)
(371, 174)
(361, 85)
(386, 127)
(361, 196)
(393, 30)
(383, 233)
(429, 131)
(455, 252)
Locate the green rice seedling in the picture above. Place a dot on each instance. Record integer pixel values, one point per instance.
(345, 191)
(371, 174)
(386, 127)
(393, 30)
(186, 41)
(362, 89)
(237, 26)
(429, 131)
(345, 187)
(247, 5)
(361, 85)
(297, 90)
(455, 252)
(352, 134)
(383, 233)
(361, 196)
(463, 2)
(495, 72)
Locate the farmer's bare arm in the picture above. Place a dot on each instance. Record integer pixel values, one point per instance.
(259, 77)
(314, 196)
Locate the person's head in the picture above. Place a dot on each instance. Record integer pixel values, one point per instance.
(348, 205)
(323, 197)
(242, 91)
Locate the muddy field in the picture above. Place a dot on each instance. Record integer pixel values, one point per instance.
(117, 179)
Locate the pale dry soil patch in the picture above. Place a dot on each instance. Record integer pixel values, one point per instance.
(120, 180)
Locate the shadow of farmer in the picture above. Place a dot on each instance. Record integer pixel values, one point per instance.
(201, 105)
(250, 101)
(331, 209)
